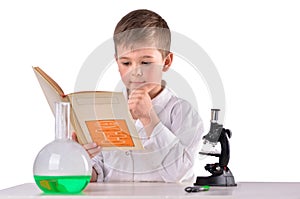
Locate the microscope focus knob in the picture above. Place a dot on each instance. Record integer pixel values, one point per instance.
(228, 132)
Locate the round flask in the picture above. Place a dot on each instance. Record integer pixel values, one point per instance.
(62, 166)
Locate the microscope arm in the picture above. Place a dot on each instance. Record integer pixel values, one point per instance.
(225, 149)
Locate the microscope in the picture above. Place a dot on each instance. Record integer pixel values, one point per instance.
(220, 173)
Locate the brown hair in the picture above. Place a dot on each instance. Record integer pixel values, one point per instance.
(143, 27)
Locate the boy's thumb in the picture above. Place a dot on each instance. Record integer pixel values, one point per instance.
(74, 137)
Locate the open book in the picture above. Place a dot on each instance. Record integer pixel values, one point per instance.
(96, 116)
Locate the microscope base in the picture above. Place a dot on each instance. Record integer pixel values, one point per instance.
(225, 179)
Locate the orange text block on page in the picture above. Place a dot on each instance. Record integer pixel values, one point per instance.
(110, 133)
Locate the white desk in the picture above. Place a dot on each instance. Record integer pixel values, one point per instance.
(163, 190)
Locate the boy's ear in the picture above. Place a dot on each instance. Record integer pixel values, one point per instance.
(116, 59)
(168, 62)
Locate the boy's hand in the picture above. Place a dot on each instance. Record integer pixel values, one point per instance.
(91, 148)
(140, 106)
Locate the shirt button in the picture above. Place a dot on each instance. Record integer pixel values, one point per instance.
(127, 153)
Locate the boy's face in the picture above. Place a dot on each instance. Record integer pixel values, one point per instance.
(142, 69)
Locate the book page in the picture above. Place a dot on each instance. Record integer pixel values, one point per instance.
(105, 119)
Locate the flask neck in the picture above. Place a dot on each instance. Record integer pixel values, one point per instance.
(62, 120)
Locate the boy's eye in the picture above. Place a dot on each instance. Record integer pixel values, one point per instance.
(126, 63)
(146, 63)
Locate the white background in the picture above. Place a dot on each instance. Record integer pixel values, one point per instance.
(255, 46)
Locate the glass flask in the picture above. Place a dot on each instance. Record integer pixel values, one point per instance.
(63, 165)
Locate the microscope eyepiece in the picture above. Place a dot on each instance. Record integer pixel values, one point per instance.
(214, 115)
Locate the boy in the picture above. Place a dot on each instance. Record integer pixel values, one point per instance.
(170, 129)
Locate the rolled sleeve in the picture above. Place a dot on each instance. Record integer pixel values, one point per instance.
(97, 163)
(161, 137)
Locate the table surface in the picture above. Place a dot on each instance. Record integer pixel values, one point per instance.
(147, 190)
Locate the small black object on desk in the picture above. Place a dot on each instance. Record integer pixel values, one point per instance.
(221, 174)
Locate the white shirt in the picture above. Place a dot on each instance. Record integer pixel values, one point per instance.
(169, 154)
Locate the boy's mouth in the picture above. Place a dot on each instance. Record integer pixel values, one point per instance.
(136, 83)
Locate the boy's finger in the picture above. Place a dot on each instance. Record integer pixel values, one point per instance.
(133, 114)
(138, 94)
(90, 146)
(93, 152)
(144, 88)
(74, 137)
(137, 91)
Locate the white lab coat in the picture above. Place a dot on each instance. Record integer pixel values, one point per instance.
(169, 153)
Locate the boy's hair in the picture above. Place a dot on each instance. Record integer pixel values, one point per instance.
(143, 28)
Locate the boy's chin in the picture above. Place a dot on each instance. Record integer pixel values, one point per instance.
(130, 89)
(142, 86)
(135, 86)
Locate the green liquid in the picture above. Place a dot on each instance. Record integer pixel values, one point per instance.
(62, 184)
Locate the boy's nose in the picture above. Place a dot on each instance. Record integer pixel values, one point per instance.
(137, 71)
